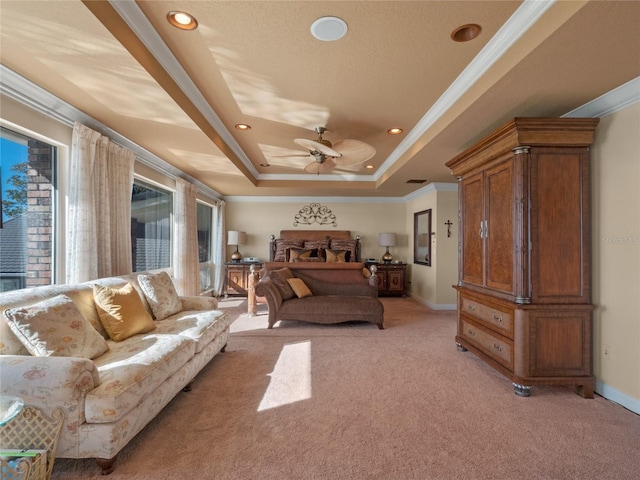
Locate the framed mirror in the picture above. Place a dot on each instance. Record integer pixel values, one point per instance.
(422, 237)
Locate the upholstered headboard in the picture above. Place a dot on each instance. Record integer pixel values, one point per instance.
(297, 239)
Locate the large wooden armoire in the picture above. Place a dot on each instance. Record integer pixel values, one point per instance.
(524, 280)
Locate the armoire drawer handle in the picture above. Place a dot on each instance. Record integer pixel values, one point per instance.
(497, 347)
(471, 332)
(472, 307)
(497, 318)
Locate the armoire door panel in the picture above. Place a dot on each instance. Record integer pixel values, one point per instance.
(472, 251)
(499, 214)
(557, 231)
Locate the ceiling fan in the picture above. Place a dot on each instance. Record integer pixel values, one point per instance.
(327, 156)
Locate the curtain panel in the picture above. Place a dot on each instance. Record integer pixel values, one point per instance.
(186, 268)
(99, 242)
(219, 245)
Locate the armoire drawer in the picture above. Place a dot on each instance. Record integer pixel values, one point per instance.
(497, 318)
(499, 348)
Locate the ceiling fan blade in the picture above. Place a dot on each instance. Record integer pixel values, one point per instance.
(316, 146)
(354, 152)
(325, 167)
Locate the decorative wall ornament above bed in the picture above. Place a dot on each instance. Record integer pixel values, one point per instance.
(315, 213)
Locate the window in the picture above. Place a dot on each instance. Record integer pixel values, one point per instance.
(205, 235)
(151, 219)
(27, 187)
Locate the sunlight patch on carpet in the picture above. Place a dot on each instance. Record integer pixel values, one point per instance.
(291, 377)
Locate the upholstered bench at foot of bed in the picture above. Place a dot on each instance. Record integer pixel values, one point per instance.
(329, 309)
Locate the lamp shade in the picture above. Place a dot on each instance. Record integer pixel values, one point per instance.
(387, 239)
(235, 237)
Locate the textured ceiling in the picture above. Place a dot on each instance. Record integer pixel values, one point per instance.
(179, 94)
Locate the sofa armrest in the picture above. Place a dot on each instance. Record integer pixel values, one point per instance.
(267, 288)
(199, 303)
(47, 380)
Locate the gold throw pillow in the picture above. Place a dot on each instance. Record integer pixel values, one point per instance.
(299, 287)
(336, 256)
(121, 311)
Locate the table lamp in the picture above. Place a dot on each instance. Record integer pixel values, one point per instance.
(236, 238)
(387, 240)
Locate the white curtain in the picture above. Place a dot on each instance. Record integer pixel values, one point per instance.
(219, 247)
(186, 270)
(99, 240)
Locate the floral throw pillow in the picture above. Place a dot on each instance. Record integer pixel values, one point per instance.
(55, 327)
(161, 294)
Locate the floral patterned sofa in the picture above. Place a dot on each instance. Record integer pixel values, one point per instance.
(111, 353)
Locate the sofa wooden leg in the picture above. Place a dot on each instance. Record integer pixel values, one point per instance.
(187, 387)
(106, 465)
(380, 326)
(224, 348)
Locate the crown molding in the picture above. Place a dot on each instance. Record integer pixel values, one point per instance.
(18, 88)
(611, 102)
(522, 19)
(140, 25)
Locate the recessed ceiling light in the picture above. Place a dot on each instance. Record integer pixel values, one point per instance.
(329, 29)
(394, 131)
(182, 20)
(466, 33)
(369, 167)
(243, 126)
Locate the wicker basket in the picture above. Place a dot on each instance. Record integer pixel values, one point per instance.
(34, 433)
(23, 464)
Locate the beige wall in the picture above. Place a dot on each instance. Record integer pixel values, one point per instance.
(616, 254)
(432, 285)
(263, 216)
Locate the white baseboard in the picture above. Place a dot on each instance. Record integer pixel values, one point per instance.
(618, 397)
(434, 306)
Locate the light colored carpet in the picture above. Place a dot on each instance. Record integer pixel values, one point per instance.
(353, 402)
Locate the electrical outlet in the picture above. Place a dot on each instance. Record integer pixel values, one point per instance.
(606, 351)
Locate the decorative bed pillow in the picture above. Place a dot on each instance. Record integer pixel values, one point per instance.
(161, 294)
(347, 244)
(294, 254)
(299, 287)
(281, 248)
(55, 328)
(309, 259)
(121, 311)
(320, 245)
(334, 256)
(279, 278)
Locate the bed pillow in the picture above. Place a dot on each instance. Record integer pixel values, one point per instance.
(161, 294)
(281, 248)
(294, 254)
(279, 278)
(336, 256)
(55, 328)
(299, 287)
(347, 244)
(121, 311)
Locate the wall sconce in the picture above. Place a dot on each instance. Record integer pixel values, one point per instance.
(236, 238)
(387, 240)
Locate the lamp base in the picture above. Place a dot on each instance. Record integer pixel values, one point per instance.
(236, 257)
(387, 257)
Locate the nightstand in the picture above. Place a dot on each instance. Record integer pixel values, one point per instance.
(237, 277)
(392, 279)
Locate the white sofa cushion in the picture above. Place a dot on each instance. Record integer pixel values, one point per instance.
(161, 294)
(55, 327)
(131, 370)
(200, 326)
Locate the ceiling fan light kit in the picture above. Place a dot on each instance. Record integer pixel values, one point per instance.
(347, 152)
